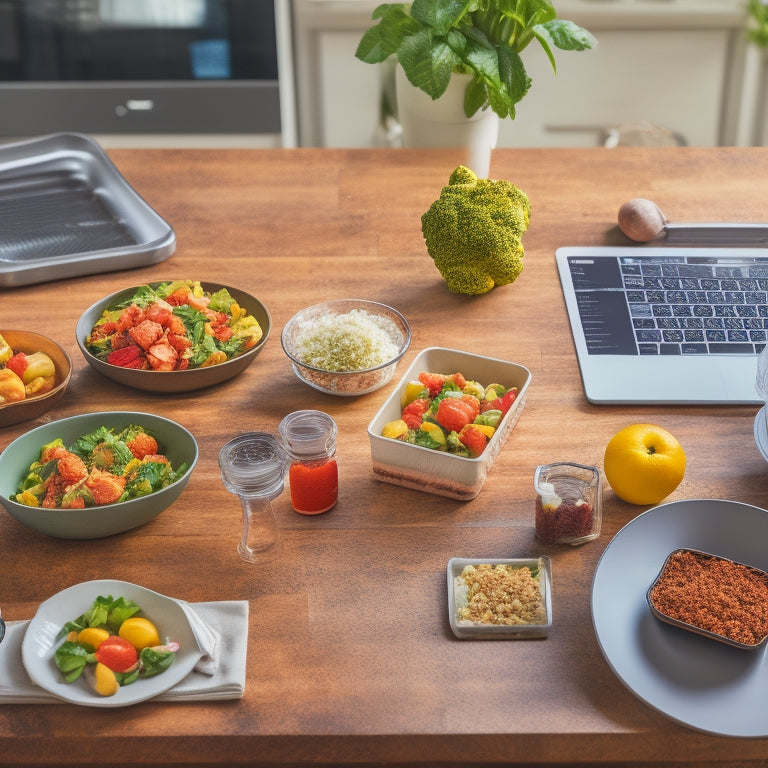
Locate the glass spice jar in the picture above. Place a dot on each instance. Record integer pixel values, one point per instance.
(568, 503)
(309, 438)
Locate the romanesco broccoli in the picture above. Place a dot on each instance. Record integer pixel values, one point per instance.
(474, 231)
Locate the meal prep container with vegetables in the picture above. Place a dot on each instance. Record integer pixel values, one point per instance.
(441, 473)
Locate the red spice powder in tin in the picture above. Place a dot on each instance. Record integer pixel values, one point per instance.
(711, 593)
(568, 521)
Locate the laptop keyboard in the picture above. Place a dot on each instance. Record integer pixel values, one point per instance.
(672, 305)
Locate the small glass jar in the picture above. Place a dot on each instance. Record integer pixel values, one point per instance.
(253, 467)
(568, 503)
(309, 437)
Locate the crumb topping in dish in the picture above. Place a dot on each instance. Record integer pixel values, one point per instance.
(500, 594)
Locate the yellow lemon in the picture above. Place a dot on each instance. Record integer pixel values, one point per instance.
(644, 463)
(139, 632)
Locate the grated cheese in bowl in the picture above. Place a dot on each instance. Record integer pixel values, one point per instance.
(352, 341)
(346, 347)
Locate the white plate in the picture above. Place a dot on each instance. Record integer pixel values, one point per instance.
(700, 683)
(761, 433)
(40, 643)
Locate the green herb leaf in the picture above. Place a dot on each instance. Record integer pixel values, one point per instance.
(427, 62)
(435, 39)
(569, 36)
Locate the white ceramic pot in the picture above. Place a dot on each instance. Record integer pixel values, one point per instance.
(442, 122)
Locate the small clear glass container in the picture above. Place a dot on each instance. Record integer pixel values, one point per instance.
(568, 503)
(309, 437)
(253, 467)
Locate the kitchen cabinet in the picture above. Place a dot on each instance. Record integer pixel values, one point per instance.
(682, 65)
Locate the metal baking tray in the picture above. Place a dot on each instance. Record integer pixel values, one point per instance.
(66, 211)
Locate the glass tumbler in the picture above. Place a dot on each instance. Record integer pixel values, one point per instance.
(253, 467)
(568, 503)
(309, 438)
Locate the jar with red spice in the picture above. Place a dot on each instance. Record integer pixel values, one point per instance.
(568, 503)
(309, 438)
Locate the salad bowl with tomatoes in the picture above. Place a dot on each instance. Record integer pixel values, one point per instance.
(83, 506)
(174, 335)
(446, 421)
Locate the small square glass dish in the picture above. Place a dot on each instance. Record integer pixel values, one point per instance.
(568, 507)
(521, 604)
(712, 596)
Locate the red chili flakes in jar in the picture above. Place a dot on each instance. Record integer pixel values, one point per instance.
(713, 594)
(567, 521)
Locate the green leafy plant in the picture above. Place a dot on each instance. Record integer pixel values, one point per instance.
(757, 29)
(434, 39)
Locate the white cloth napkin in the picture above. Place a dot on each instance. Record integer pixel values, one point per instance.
(221, 629)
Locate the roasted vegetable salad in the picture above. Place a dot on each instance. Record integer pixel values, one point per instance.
(447, 412)
(173, 326)
(103, 467)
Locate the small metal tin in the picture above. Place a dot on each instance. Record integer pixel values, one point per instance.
(666, 618)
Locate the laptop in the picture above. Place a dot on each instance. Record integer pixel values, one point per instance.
(667, 324)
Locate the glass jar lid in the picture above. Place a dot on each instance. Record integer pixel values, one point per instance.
(308, 434)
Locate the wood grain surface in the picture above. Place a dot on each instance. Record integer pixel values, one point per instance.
(351, 658)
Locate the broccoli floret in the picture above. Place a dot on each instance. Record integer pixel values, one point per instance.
(474, 231)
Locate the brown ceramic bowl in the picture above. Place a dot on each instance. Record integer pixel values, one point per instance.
(32, 407)
(173, 381)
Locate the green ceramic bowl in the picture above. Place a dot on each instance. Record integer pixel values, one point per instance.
(94, 522)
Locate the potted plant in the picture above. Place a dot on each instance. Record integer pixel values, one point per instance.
(474, 46)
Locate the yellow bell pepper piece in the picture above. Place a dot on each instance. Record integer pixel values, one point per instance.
(486, 429)
(412, 390)
(5, 351)
(394, 429)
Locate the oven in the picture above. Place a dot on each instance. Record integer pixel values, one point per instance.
(193, 67)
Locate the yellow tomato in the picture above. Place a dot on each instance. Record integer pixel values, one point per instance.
(644, 463)
(93, 637)
(104, 681)
(139, 632)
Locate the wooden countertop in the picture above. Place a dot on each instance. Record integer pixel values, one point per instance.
(351, 659)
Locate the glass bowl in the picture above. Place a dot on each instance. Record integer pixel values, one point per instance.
(365, 323)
